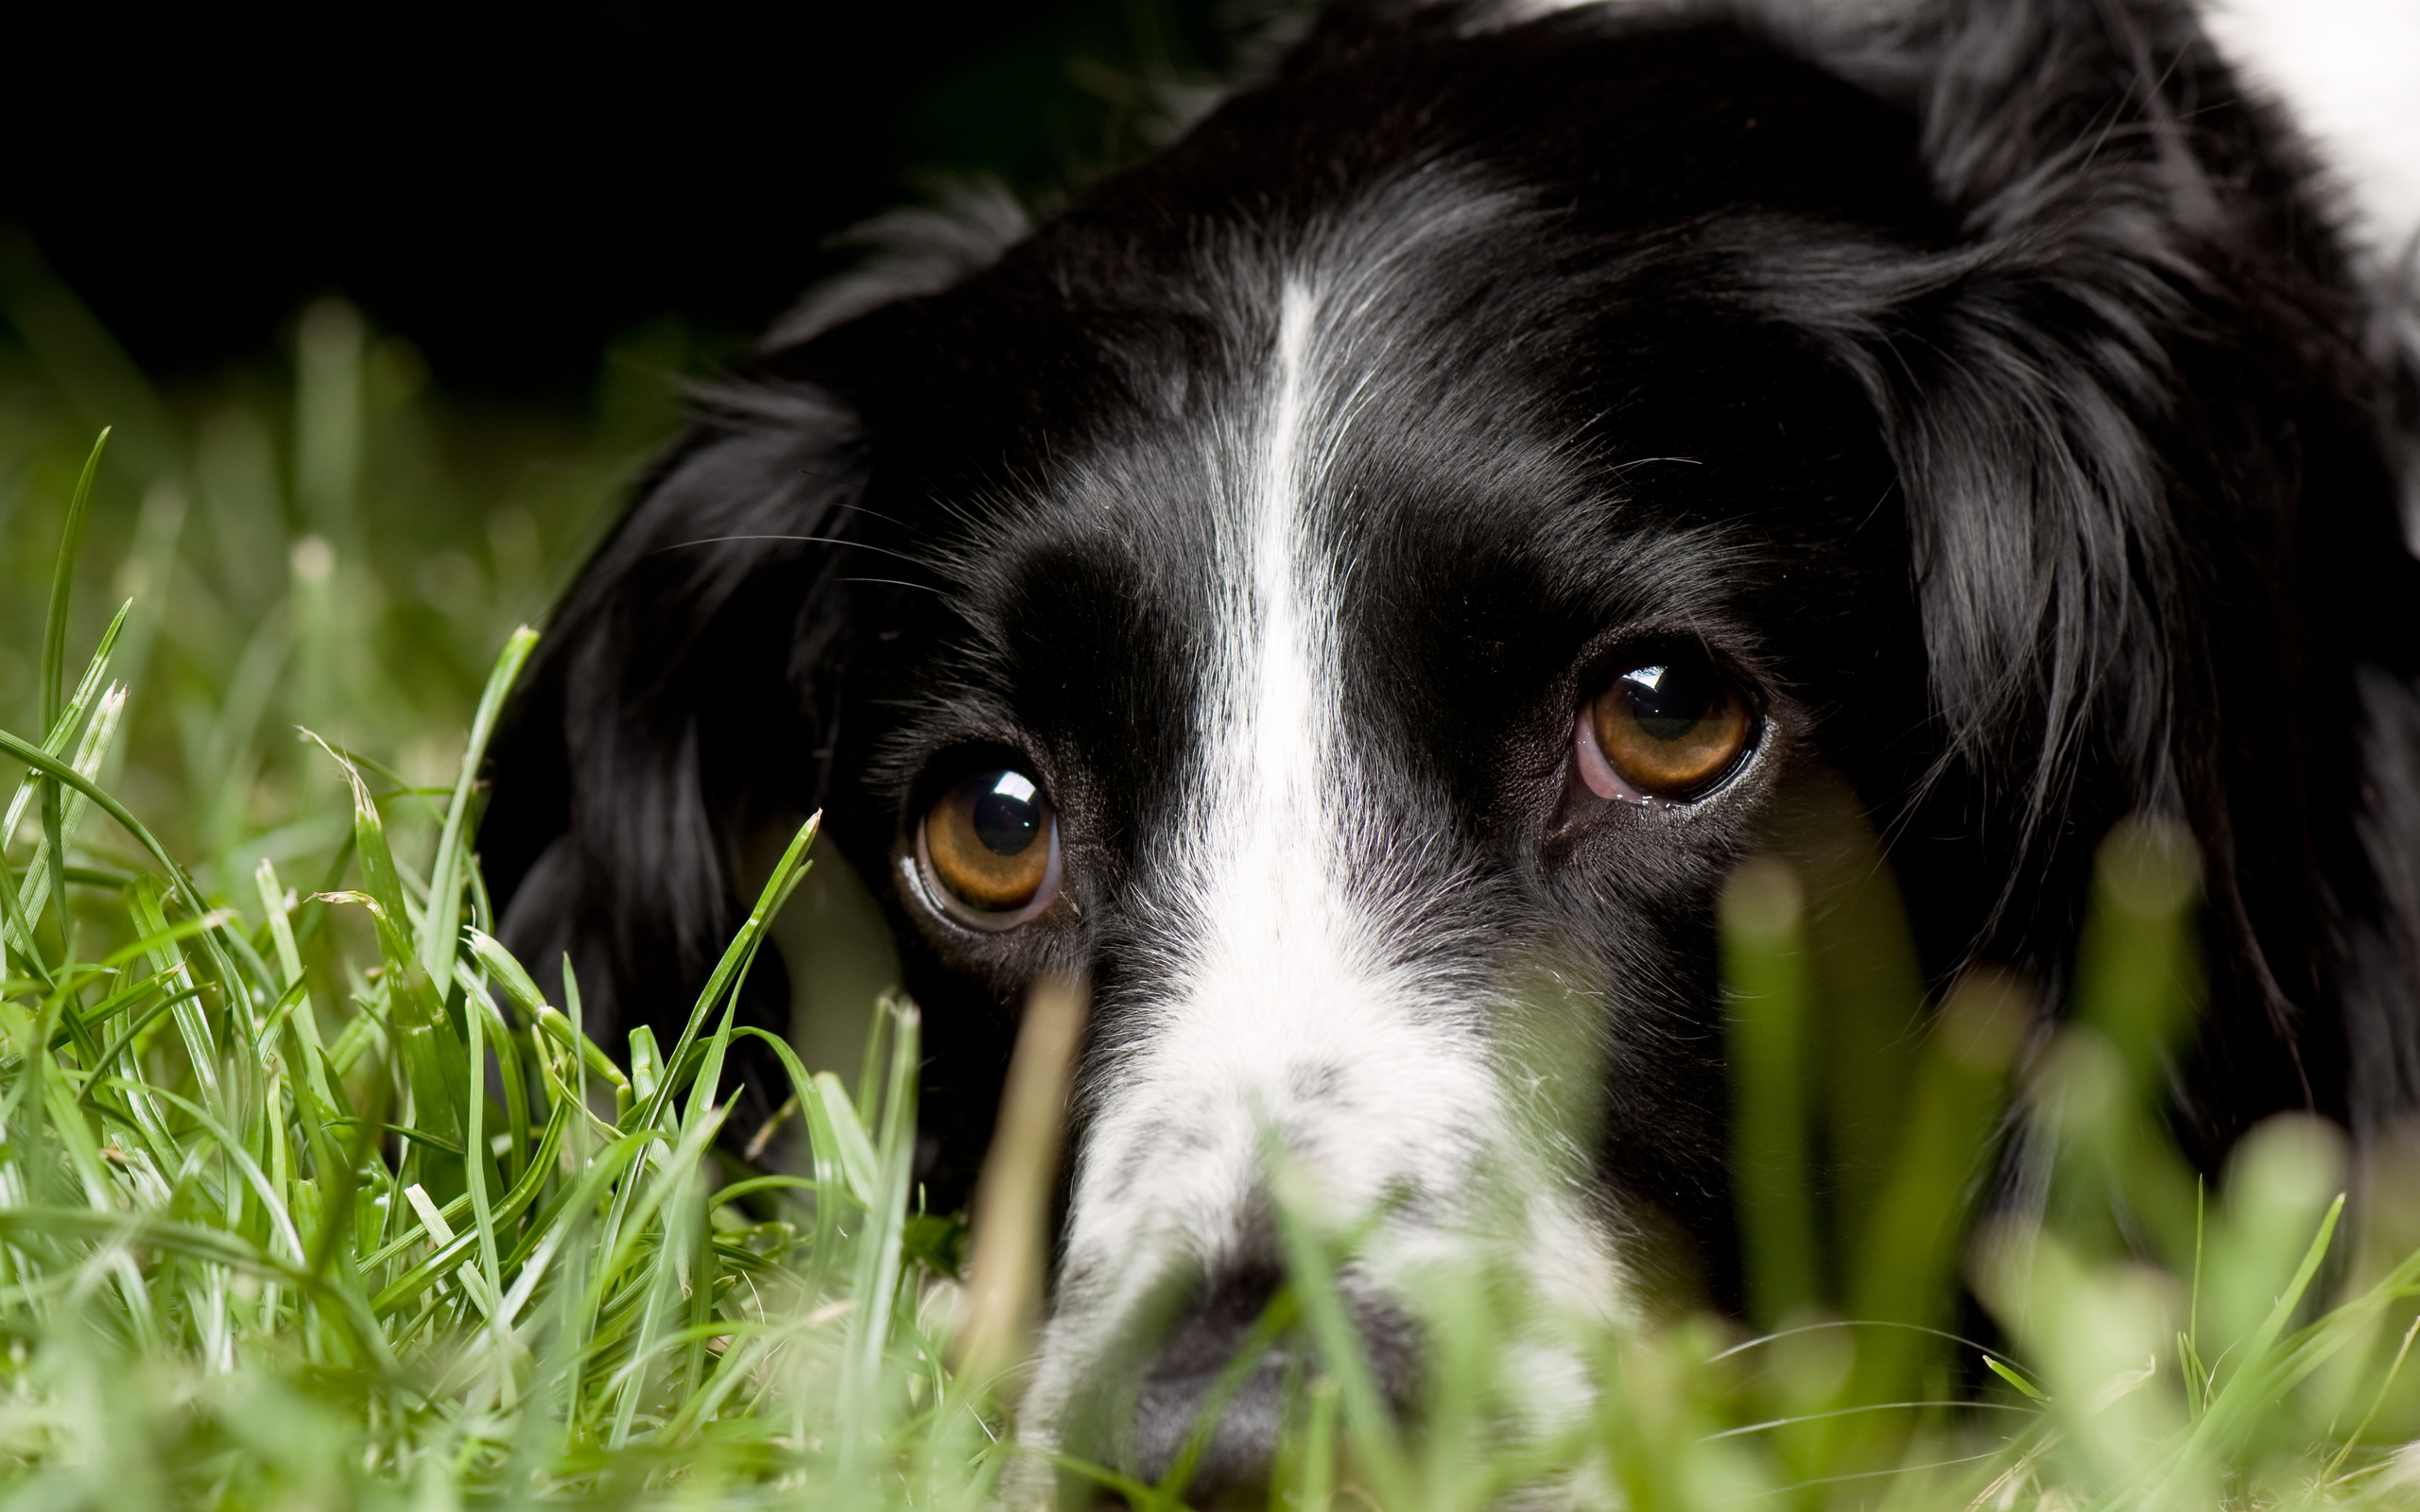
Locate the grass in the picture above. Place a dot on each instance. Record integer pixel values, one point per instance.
(312, 1195)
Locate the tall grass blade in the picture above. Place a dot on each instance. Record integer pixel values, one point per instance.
(54, 657)
(1020, 1173)
(440, 922)
(1764, 959)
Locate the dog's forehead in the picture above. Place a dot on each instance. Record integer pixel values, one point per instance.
(1470, 469)
(1313, 450)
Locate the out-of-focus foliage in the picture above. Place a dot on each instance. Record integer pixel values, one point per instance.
(334, 545)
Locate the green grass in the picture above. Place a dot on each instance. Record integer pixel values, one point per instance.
(269, 1237)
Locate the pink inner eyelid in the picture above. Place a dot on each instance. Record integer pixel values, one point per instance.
(1597, 772)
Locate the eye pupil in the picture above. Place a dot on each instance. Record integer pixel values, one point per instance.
(1670, 701)
(1007, 822)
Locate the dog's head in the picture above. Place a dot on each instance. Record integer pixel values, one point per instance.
(1352, 589)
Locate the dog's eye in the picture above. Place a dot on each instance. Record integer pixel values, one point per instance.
(1664, 731)
(989, 844)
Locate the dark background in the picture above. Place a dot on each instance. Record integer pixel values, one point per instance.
(511, 185)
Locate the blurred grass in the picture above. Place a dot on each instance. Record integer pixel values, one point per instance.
(334, 545)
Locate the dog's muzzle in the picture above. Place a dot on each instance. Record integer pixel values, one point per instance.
(1402, 1162)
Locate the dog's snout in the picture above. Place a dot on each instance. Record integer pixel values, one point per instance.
(1181, 1387)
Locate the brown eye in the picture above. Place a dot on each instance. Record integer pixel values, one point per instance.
(1664, 731)
(989, 844)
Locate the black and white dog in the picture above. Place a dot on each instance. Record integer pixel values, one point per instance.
(1352, 588)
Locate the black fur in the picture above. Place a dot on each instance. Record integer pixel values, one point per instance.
(1988, 385)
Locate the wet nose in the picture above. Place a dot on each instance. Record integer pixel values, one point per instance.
(1231, 1465)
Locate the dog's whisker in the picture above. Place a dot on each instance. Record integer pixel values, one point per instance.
(1763, 1340)
(1862, 1408)
(813, 540)
(894, 582)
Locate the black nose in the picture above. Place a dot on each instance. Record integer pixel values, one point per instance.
(1231, 1462)
(1190, 1403)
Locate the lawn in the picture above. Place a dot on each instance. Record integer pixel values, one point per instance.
(312, 1195)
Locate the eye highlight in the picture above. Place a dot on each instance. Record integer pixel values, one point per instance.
(988, 847)
(1670, 730)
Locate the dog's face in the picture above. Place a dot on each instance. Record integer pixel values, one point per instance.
(1352, 591)
(1366, 683)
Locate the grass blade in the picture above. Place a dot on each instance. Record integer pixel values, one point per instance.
(54, 656)
(439, 920)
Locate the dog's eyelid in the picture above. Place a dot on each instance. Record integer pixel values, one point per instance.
(948, 756)
(1610, 655)
(1598, 773)
(1710, 634)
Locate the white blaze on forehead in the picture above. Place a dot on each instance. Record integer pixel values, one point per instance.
(1282, 1016)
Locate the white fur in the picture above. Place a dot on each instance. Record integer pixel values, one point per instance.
(2348, 71)
(1286, 1024)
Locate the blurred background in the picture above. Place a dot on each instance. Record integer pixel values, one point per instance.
(389, 305)
(513, 186)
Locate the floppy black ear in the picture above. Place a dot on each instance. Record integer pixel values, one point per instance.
(679, 700)
(682, 701)
(2139, 450)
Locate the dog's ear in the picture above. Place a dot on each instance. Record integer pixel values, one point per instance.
(2042, 382)
(679, 700)
(2124, 391)
(681, 703)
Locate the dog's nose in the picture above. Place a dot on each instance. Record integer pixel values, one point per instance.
(1176, 1402)
(1190, 1403)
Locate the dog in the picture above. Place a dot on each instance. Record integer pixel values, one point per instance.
(1350, 589)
